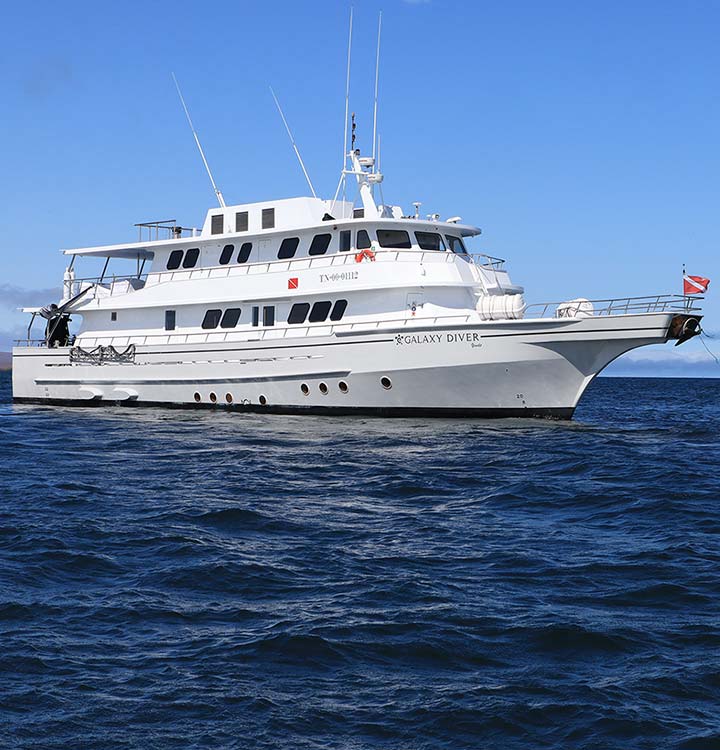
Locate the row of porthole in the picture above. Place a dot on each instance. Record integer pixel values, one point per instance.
(228, 398)
(385, 382)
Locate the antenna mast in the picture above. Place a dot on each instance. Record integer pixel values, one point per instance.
(377, 74)
(218, 194)
(347, 104)
(294, 145)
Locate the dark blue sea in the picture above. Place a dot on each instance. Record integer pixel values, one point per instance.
(175, 579)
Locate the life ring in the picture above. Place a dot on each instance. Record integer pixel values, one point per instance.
(364, 253)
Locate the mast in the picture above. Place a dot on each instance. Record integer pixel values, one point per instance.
(218, 194)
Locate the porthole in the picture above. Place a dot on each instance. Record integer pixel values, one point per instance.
(228, 398)
(323, 388)
(213, 398)
(197, 397)
(343, 386)
(386, 383)
(262, 400)
(304, 388)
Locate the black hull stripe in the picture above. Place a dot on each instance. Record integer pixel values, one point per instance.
(551, 412)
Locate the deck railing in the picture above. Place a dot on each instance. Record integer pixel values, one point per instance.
(617, 306)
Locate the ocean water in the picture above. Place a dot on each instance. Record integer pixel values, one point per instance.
(174, 579)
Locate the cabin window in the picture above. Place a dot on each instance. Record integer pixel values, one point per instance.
(362, 240)
(241, 221)
(456, 245)
(169, 320)
(430, 241)
(269, 315)
(338, 309)
(345, 240)
(268, 218)
(191, 257)
(230, 317)
(256, 316)
(244, 254)
(288, 248)
(358, 213)
(319, 245)
(174, 260)
(216, 224)
(298, 312)
(226, 254)
(212, 319)
(319, 312)
(113, 316)
(394, 238)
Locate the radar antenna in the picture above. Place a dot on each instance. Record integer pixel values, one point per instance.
(294, 145)
(218, 194)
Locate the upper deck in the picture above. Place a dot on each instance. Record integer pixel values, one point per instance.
(269, 220)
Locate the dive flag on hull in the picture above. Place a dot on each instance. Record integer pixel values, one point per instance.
(695, 284)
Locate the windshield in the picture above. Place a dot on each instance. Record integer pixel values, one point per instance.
(456, 245)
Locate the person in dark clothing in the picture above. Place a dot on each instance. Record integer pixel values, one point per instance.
(57, 331)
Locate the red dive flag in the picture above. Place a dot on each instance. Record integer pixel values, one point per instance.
(695, 284)
(292, 283)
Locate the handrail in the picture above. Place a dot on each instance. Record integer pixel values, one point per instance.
(482, 259)
(305, 262)
(619, 305)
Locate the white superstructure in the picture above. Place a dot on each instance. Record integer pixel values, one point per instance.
(321, 306)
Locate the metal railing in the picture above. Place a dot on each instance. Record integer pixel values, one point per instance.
(30, 342)
(487, 261)
(321, 261)
(617, 306)
(620, 306)
(168, 228)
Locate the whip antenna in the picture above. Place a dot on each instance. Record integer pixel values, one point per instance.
(377, 74)
(294, 145)
(347, 90)
(218, 194)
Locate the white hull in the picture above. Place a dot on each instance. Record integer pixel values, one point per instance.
(507, 368)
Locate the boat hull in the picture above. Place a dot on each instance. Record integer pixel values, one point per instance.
(525, 368)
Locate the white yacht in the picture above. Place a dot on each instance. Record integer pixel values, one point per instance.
(314, 306)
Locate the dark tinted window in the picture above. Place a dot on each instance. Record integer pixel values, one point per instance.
(345, 240)
(298, 312)
(358, 213)
(362, 241)
(211, 319)
(174, 260)
(288, 248)
(269, 315)
(216, 224)
(191, 257)
(241, 221)
(169, 320)
(230, 317)
(319, 245)
(226, 254)
(268, 218)
(393, 238)
(456, 245)
(256, 316)
(319, 312)
(338, 309)
(244, 254)
(429, 241)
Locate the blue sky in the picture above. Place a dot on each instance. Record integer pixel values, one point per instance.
(582, 137)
